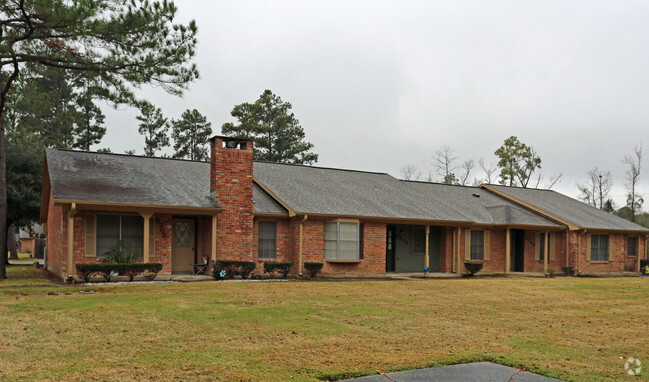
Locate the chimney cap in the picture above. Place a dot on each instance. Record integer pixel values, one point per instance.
(230, 139)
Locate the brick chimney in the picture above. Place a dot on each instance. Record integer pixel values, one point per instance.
(231, 186)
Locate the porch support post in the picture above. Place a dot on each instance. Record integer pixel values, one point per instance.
(71, 212)
(545, 252)
(147, 231)
(508, 249)
(427, 257)
(213, 237)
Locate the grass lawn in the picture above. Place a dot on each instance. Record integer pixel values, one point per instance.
(570, 328)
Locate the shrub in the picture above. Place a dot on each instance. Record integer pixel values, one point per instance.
(552, 271)
(567, 270)
(153, 269)
(106, 270)
(644, 266)
(232, 268)
(313, 268)
(121, 256)
(472, 267)
(281, 266)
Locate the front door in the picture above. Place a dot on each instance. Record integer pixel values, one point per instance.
(518, 250)
(182, 253)
(389, 245)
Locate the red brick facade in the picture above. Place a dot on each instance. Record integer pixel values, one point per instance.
(231, 182)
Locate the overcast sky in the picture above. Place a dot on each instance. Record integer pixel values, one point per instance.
(378, 85)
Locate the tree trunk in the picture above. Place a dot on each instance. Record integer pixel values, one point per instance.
(3, 202)
(11, 242)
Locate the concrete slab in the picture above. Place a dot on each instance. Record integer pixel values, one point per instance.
(470, 372)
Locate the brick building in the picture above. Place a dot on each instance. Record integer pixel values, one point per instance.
(177, 212)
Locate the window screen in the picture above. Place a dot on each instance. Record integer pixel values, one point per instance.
(599, 248)
(125, 232)
(477, 245)
(342, 241)
(631, 246)
(267, 242)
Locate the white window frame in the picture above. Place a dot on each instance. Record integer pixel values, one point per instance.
(337, 240)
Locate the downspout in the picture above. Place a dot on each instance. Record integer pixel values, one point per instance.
(301, 260)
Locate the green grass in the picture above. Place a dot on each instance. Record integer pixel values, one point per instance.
(24, 275)
(569, 328)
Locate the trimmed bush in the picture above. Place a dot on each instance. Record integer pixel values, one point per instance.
(106, 270)
(472, 267)
(567, 270)
(232, 268)
(280, 266)
(644, 266)
(313, 268)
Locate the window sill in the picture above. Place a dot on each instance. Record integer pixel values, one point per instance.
(344, 261)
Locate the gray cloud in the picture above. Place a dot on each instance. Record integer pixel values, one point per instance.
(381, 84)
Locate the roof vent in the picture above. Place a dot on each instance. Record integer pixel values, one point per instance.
(476, 195)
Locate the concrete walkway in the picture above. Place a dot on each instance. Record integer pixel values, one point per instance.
(470, 372)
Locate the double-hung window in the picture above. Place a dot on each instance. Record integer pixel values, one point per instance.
(267, 242)
(119, 232)
(599, 248)
(542, 246)
(477, 245)
(343, 241)
(631, 246)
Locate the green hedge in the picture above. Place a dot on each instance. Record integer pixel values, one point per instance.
(313, 268)
(280, 266)
(107, 270)
(473, 267)
(232, 268)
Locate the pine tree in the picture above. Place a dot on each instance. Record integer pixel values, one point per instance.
(276, 133)
(154, 127)
(191, 133)
(89, 128)
(121, 44)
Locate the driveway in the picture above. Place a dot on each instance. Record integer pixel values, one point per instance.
(470, 372)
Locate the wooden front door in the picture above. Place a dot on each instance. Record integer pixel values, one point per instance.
(182, 253)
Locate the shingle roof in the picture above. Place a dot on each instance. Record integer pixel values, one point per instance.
(317, 190)
(569, 209)
(115, 178)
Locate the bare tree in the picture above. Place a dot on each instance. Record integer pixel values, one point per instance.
(597, 191)
(634, 162)
(467, 166)
(444, 160)
(489, 171)
(410, 172)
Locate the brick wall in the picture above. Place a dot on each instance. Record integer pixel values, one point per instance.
(27, 244)
(231, 180)
(56, 239)
(285, 250)
(617, 263)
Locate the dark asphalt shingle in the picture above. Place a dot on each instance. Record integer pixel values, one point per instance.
(569, 209)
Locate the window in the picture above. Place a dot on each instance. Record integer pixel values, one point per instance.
(631, 246)
(343, 241)
(599, 248)
(542, 246)
(124, 232)
(477, 245)
(267, 242)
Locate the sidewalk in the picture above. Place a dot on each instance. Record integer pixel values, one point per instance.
(470, 372)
